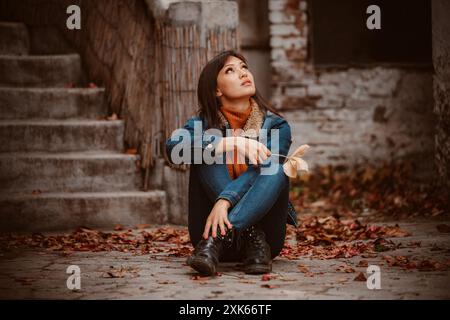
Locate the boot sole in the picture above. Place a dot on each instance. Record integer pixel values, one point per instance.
(201, 266)
(258, 269)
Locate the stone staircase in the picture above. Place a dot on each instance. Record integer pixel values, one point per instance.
(62, 163)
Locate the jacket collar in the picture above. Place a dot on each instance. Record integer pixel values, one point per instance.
(254, 122)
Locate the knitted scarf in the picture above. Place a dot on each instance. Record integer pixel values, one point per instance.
(249, 121)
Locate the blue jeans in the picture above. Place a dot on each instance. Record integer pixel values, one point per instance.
(263, 191)
(265, 203)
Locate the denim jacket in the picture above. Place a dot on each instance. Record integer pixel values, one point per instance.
(237, 188)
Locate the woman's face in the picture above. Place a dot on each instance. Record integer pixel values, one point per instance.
(235, 80)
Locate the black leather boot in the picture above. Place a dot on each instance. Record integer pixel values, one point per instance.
(205, 257)
(256, 251)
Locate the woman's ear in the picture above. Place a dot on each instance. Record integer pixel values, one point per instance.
(218, 93)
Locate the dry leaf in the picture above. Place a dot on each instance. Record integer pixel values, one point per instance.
(24, 281)
(199, 277)
(131, 151)
(444, 228)
(267, 277)
(300, 151)
(143, 226)
(305, 270)
(363, 263)
(346, 269)
(269, 286)
(166, 282)
(118, 227)
(246, 281)
(294, 164)
(360, 277)
(290, 168)
(112, 117)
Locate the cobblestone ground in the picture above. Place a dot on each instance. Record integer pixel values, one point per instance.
(40, 274)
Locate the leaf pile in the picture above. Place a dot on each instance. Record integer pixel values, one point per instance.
(169, 240)
(384, 191)
(326, 230)
(410, 263)
(330, 238)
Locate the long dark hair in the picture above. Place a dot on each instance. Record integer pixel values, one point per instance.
(206, 89)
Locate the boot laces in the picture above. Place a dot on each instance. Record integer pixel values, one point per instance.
(256, 239)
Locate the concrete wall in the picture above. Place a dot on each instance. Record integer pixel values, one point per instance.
(254, 41)
(441, 62)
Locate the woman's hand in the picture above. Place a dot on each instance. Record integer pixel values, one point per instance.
(253, 150)
(218, 217)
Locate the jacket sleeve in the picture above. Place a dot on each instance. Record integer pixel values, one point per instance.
(191, 138)
(284, 138)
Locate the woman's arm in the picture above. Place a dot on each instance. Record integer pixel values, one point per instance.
(234, 190)
(186, 145)
(253, 150)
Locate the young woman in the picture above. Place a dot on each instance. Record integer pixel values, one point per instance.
(236, 213)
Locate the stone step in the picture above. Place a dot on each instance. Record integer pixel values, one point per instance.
(69, 172)
(61, 135)
(14, 39)
(52, 103)
(40, 71)
(67, 211)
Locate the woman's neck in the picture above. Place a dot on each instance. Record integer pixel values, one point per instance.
(237, 105)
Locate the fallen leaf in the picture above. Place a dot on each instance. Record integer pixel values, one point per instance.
(121, 272)
(142, 226)
(269, 286)
(131, 151)
(346, 269)
(246, 281)
(166, 282)
(444, 228)
(360, 277)
(267, 277)
(118, 227)
(24, 281)
(199, 277)
(305, 270)
(363, 263)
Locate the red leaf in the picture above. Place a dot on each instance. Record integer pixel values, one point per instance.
(269, 286)
(360, 277)
(444, 228)
(266, 277)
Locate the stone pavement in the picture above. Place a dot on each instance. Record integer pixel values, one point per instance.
(40, 274)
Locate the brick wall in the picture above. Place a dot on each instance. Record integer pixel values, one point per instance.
(348, 115)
